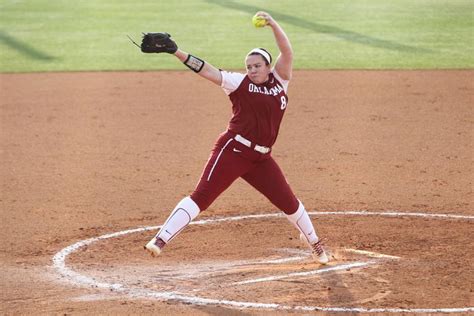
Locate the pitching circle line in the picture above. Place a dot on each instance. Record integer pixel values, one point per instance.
(59, 264)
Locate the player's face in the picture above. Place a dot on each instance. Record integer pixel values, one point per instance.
(257, 70)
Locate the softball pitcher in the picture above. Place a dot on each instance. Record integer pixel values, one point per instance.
(259, 101)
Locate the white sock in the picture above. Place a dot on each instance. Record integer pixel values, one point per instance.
(300, 219)
(182, 215)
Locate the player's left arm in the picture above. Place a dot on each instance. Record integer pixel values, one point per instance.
(201, 67)
(162, 43)
(284, 62)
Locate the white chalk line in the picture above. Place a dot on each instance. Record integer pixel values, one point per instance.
(293, 274)
(312, 272)
(355, 213)
(396, 214)
(59, 263)
(306, 273)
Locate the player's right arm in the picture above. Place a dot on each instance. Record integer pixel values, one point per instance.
(201, 67)
(284, 62)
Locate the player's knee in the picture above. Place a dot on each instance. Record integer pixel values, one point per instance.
(202, 200)
(291, 206)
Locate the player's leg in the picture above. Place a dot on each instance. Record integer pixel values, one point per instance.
(268, 179)
(222, 168)
(180, 217)
(300, 219)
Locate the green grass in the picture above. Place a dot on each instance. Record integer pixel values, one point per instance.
(63, 35)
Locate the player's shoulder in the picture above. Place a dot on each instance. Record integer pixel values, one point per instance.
(280, 80)
(231, 75)
(231, 80)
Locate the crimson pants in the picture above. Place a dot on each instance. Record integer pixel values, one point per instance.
(230, 160)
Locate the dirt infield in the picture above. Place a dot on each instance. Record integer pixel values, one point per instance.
(88, 154)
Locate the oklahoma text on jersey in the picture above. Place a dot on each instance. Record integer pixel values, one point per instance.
(273, 91)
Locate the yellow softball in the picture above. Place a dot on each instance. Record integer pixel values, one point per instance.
(259, 21)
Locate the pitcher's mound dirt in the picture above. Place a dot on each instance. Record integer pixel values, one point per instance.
(85, 154)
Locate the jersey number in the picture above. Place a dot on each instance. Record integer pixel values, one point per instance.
(283, 103)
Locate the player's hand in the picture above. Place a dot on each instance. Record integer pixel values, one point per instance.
(267, 17)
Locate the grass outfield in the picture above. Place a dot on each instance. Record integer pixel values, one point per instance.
(63, 35)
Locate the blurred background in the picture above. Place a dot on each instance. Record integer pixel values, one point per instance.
(62, 35)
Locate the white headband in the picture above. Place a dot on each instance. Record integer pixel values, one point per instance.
(261, 52)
